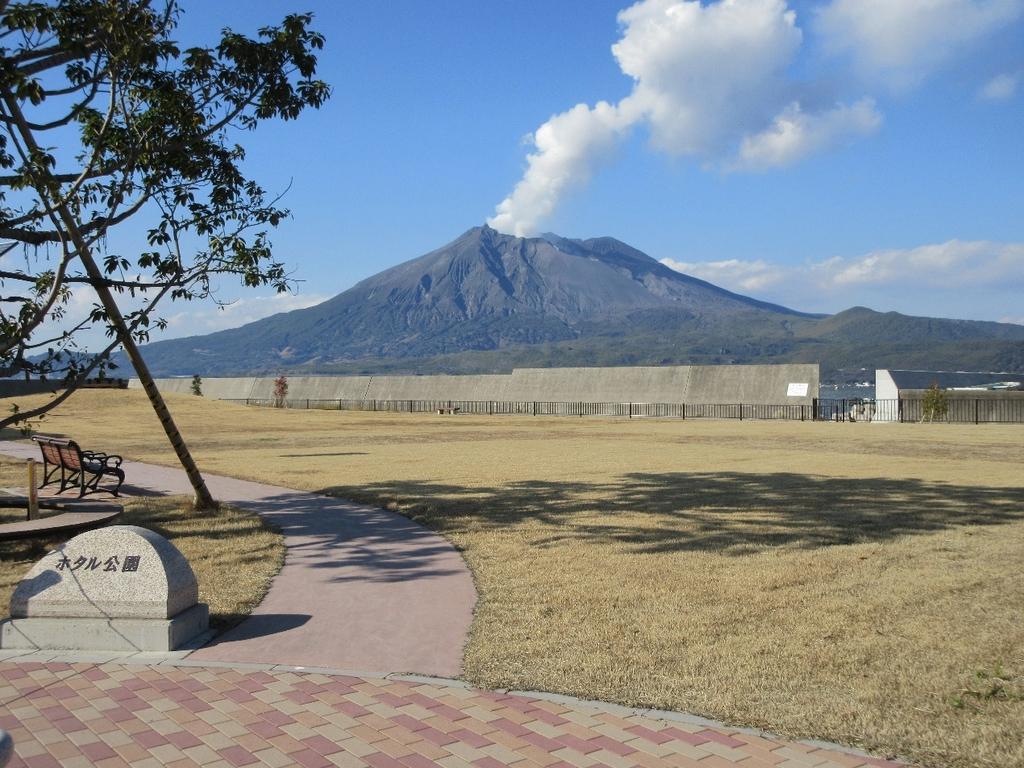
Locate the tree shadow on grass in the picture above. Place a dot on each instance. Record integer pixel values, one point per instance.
(729, 512)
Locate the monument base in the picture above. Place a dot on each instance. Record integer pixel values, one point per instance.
(93, 634)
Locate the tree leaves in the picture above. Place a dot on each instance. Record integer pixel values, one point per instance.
(152, 139)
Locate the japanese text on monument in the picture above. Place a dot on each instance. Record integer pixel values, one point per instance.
(112, 564)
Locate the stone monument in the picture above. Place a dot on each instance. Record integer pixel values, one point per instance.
(120, 588)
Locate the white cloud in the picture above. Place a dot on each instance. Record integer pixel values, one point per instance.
(1001, 87)
(706, 78)
(901, 42)
(966, 263)
(202, 318)
(734, 274)
(976, 263)
(929, 279)
(704, 73)
(796, 134)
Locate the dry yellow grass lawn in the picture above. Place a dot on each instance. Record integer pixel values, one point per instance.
(859, 583)
(233, 553)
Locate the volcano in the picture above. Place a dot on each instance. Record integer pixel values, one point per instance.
(487, 300)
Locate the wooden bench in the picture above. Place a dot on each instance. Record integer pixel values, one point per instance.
(447, 409)
(66, 463)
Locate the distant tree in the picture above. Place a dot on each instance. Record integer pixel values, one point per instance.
(280, 391)
(197, 385)
(102, 118)
(935, 404)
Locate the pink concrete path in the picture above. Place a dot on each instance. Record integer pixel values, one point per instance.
(361, 588)
(77, 715)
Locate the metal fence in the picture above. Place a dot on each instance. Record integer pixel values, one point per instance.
(958, 410)
(548, 408)
(908, 410)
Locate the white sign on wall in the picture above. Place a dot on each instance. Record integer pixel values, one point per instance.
(797, 389)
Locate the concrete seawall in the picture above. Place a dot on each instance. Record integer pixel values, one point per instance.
(748, 384)
(20, 388)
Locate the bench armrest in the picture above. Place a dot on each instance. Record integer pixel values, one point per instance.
(107, 460)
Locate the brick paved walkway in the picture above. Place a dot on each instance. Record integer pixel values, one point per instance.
(113, 716)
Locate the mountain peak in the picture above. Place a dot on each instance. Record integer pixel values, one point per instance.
(485, 230)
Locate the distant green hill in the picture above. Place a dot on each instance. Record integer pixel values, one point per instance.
(491, 302)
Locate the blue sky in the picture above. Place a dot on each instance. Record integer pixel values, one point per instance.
(817, 154)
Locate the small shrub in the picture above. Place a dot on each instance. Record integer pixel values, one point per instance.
(935, 404)
(280, 391)
(197, 385)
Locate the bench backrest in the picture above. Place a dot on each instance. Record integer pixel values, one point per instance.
(61, 451)
(71, 455)
(51, 453)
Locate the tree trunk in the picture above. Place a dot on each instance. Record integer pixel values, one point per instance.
(203, 499)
